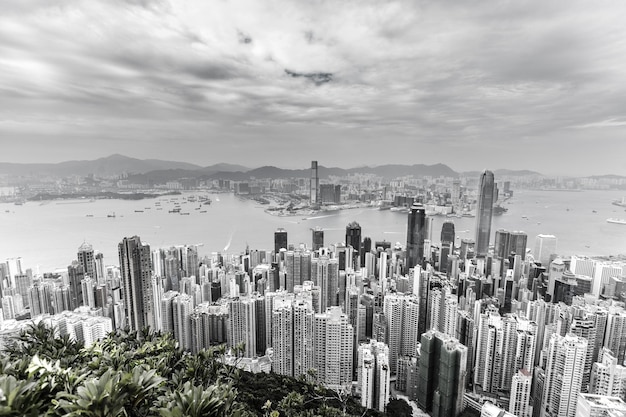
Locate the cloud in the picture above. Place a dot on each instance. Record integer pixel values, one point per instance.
(452, 82)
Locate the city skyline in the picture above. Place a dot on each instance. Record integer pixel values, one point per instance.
(457, 83)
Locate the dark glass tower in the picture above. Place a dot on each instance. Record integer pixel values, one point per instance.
(447, 232)
(501, 244)
(280, 240)
(517, 243)
(318, 238)
(314, 185)
(136, 269)
(353, 238)
(415, 235)
(484, 211)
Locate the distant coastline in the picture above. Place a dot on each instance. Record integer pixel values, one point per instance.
(99, 195)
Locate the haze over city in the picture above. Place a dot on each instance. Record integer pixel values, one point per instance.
(532, 85)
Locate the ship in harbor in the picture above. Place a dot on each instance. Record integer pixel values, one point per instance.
(620, 203)
(616, 221)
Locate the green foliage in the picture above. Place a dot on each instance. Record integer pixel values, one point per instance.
(138, 374)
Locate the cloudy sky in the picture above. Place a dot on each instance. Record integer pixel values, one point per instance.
(510, 84)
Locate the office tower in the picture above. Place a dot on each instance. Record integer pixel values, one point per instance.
(75, 274)
(373, 375)
(242, 324)
(353, 239)
(85, 257)
(423, 293)
(517, 243)
(442, 374)
(519, 401)
(447, 232)
(545, 245)
(607, 376)
(603, 271)
(182, 306)
(314, 185)
(318, 238)
(484, 211)
(40, 299)
(280, 241)
(333, 349)
(136, 271)
(99, 268)
(189, 258)
(417, 231)
(582, 266)
(564, 374)
(501, 244)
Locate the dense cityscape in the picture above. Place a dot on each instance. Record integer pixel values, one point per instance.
(497, 328)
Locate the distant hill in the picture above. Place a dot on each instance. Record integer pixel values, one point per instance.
(110, 165)
(502, 173)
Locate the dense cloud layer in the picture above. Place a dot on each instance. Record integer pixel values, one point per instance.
(514, 84)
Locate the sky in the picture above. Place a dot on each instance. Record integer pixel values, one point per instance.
(537, 85)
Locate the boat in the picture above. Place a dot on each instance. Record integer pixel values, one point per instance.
(616, 221)
(620, 203)
(184, 214)
(89, 215)
(138, 211)
(202, 211)
(111, 214)
(174, 210)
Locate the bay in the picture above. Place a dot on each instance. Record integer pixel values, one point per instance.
(48, 235)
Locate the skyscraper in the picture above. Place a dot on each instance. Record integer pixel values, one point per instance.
(442, 373)
(484, 211)
(545, 245)
(86, 259)
(415, 235)
(280, 241)
(314, 185)
(136, 271)
(353, 238)
(564, 375)
(333, 339)
(318, 238)
(447, 232)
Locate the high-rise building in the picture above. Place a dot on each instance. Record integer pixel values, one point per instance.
(564, 375)
(501, 244)
(333, 349)
(517, 243)
(447, 232)
(314, 185)
(519, 401)
(373, 375)
(545, 245)
(353, 238)
(280, 241)
(75, 274)
(242, 324)
(85, 257)
(607, 376)
(318, 238)
(591, 405)
(442, 373)
(136, 271)
(417, 232)
(182, 306)
(484, 211)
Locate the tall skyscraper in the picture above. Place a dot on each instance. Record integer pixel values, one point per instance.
(484, 211)
(76, 273)
(517, 243)
(415, 235)
(447, 232)
(333, 339)
(318, 238)
(280, 241)
(136, 271)
(353, 238)
(373, 374)
(314, 185)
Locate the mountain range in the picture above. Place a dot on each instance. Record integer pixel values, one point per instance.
(157, 171)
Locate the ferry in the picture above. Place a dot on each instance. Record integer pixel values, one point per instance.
(616, 221)
(111, 214)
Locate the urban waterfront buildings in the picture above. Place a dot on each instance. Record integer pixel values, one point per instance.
(450, 326)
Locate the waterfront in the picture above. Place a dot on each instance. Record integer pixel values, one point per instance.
(49, 234)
